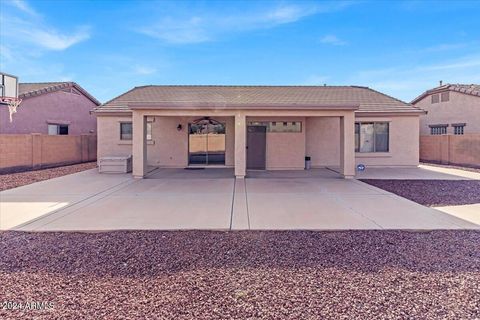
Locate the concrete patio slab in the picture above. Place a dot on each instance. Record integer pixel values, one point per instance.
(38, 200)
(421, 172)
(467, 212)
(170, 200)
(296, 211)
(289, 174)
(192, 173)
(140, 212)
(318, 204)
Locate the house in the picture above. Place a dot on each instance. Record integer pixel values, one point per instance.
(451, 109)
(258, 127)
(51, 108)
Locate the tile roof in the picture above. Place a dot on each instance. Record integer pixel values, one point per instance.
(26, 90)
(351, 97)
(471, 89)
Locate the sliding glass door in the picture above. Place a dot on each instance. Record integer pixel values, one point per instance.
(206, 144)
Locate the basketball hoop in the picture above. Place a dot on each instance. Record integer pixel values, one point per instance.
(12, 103)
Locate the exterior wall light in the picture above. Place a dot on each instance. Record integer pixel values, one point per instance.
(179, 127)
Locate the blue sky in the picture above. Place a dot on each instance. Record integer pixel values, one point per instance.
(108, 47)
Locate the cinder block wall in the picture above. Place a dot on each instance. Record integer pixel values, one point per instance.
(20, 152)
(451, 149)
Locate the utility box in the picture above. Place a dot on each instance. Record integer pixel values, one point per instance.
(115, 164)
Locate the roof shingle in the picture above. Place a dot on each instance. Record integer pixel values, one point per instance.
(471, 89)
(27, 90)
(363, 98)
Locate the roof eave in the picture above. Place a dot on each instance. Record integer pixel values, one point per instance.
(391, 113)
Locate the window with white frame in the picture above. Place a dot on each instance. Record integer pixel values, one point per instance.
(57, 129)
(438, 129)
(458, 128)
(372, 136)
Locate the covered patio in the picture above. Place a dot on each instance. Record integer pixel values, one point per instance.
(280, 151)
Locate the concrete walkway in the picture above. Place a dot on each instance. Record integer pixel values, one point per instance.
(422, 172)
(213, 199)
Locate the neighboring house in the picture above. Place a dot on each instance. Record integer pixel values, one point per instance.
(51, 108)
(451, 109)
(259, 127)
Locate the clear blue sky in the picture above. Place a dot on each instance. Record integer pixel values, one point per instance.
(108, 47)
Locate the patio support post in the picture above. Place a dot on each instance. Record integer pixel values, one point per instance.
(139, 144)
(240, 145)
(347, 145)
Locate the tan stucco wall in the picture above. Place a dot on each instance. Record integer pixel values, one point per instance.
(403, 143)
(284, 150)
(323, 141)
(320, 139)
(109, 143)
(461, 108)
(168, 148)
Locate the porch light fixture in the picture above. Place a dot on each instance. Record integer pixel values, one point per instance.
(179, 127)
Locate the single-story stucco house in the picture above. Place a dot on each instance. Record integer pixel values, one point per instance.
(259, 127)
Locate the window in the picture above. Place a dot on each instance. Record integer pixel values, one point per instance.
(458, 128)
(287, 126)
(445, 96)
(57, 129)
(280, 126)
(125, 131)
(438, 129)
(372, 136)
(435, 98)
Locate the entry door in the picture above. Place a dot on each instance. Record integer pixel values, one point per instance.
(256, 147)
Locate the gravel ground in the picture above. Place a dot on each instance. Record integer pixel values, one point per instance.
(13, 180)
(452, 167)
(432, 192)
(243, 275)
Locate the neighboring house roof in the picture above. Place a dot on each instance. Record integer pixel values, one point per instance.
(358, 98)
(27, 90)
(471, 89)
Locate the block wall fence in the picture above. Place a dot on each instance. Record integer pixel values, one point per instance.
(22, 152)
(451, 149)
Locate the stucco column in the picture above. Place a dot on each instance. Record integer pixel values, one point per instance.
(139, 144)
(347, 145)
(240, 145)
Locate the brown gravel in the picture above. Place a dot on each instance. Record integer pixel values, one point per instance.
(243, 275)
(432, 192)
(13, 180)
